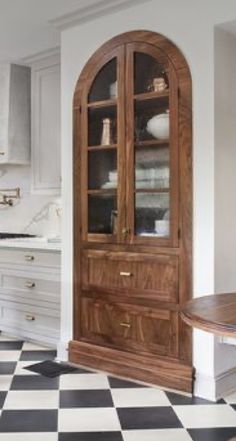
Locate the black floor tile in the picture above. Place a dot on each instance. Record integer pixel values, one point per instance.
(34, 382)
(85, 398)
(216, 434)
(37, 355)
(28, 421)
(177, 399)
(119, 383)
(148, 418)
(2, 398)
(11, 345)
(91, 436)
(7, 368)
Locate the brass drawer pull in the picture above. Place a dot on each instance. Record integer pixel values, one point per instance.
(29, 318)
(125, 274)
(29, 258)
(29, 284)
(125, 325)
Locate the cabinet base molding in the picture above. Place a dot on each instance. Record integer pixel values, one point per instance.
(154, 370)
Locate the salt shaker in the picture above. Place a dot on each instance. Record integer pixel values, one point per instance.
(106, 132)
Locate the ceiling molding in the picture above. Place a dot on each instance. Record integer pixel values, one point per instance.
(88, 13)
(39, 56)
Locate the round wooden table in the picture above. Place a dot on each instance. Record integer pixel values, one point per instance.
(214, 313)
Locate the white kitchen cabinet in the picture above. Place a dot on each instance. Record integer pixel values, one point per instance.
(14, 114)
(30, 294)
(45, 116)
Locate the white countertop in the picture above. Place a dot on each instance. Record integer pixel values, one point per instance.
(36, 243)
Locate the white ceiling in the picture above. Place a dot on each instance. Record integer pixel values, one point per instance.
(25, 27)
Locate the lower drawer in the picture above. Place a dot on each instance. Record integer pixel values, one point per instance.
(130, 327)
(36, 323)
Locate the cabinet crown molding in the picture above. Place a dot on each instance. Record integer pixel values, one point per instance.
(89, 13)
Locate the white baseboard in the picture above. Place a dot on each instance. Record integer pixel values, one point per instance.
(62, 351)
(214, 388)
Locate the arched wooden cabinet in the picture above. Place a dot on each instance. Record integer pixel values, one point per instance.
(132, 211)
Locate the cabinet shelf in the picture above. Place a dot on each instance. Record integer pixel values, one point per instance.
(151, 95)
(103, 191)
(152, 143)
(152, 190)
(104, 103)
(102, 147)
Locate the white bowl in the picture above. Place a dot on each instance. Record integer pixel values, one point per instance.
(158, 126)
(162, 227)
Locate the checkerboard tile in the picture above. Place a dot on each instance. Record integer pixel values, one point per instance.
(91, 406)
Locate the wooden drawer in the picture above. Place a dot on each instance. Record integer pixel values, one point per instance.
(140, 275)
(30, 322)
(130, 327)
(29, 258)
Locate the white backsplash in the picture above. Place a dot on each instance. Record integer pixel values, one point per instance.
(30, 214)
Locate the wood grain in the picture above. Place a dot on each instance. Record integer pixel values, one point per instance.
(214, 313)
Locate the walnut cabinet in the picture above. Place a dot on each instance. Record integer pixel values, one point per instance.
(133, 210)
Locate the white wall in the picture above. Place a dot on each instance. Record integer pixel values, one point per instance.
(225, 180)
(30, 214)
(189, 24)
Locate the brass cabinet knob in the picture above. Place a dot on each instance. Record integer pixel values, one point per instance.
(29, 258)
(125, 231)
(125, 325)
(29, 284)
(29, 318)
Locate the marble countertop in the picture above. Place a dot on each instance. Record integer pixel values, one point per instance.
(36, 243)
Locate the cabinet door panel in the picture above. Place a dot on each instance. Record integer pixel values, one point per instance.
(151, 147)
(130, 327)
(149, 276)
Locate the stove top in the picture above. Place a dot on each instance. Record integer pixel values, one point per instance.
(14, 235)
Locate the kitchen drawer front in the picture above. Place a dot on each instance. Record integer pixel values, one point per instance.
(29, 284)
(37, 323)
(150, 276)
(130, 327)
(30, 258)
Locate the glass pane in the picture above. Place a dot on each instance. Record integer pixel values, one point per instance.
(151, 119)
(102, 214)
(104, 86)
(102, 169)
(152, 167)
(102, 128)
(152, 214)
(149, 75)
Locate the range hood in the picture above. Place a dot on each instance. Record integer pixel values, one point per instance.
(14, 114)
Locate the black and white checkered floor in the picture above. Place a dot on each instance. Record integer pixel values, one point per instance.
(88, 406)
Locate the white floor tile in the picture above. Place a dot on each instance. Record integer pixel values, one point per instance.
(5, 382)
(10, 355)
(29, 346)
(27, 436)
(20, 367)
(84, 381)
(231, 398)
(32, 399)
(139, 397)
(88, 420)
(202, 416)
(156, 435)
(4, 337)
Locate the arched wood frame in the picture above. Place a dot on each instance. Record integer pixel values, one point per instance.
(183, 375)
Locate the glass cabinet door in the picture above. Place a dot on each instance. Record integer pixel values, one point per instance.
(152, 97)
(101, 152)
